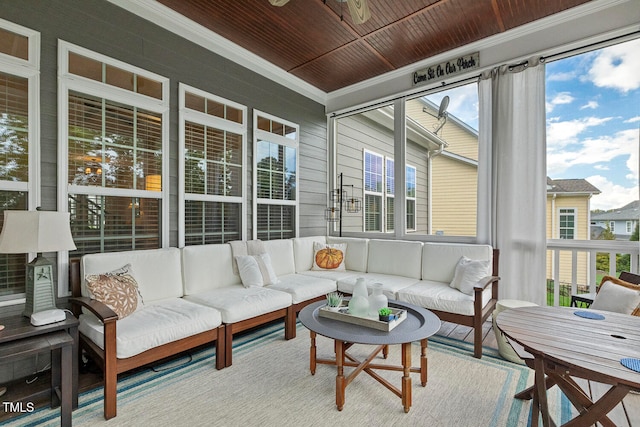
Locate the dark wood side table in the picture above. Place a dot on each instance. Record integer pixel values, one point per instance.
(20, 339)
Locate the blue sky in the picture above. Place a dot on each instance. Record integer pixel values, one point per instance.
(593, 120)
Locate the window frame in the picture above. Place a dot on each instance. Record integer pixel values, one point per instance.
(28, 69)
(382, 194)
(186, 114)
(574, 215)
(67, 83)
(262, 135)
(413, 198)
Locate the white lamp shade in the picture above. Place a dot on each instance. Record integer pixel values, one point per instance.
(35, 231)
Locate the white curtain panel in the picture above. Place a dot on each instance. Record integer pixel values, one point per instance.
(512, 173)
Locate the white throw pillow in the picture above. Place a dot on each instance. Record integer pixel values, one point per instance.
(329, 257)
(256, 270)
(468, 273)
(617, 298)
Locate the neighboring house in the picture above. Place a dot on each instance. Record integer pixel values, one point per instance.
(622, 222)
(441, 175)
(568, 209)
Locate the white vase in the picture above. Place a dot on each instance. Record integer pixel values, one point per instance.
(359, 302)
(377, 299)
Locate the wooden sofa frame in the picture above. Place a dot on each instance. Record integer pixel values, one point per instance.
(110, 364)
(480, 314)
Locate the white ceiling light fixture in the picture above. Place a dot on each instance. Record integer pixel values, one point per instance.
(359, 9)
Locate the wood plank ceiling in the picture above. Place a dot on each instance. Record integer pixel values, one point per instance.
(309, 39)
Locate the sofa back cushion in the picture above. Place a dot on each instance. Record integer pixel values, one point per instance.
(439, 260)
(397, 257)
(303, 251)
(356, 253)
(207, 267)
(157, 271)
(282, 258)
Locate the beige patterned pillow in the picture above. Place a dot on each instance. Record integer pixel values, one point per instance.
(117, 290)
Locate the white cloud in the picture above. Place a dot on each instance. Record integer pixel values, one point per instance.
(596, 152)
(633, 119)
(562, 133)
(617, 67)
(612, 195)
(560, 98)
(562, 77)
(591, 104)
(601, 167)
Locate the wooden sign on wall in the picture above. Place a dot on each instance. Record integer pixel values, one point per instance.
(446, 69)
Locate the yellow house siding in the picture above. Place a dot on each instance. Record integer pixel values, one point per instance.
(454, 197)
(581, 206)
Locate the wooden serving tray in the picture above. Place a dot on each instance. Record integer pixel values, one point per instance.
(369, 322)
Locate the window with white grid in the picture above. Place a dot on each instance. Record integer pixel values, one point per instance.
(113, 152)
(19, 140)
(275, 177)
(212, 144)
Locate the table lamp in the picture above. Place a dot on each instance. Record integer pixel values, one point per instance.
(37, 232)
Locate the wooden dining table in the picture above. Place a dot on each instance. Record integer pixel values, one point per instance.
(565, 346)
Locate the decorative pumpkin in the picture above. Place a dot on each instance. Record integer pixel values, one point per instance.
(329, 258)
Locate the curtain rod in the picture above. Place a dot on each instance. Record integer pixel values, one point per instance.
(592, 46)
(416, 95)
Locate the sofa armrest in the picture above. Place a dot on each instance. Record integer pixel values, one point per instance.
(486, 281)
(101, 311)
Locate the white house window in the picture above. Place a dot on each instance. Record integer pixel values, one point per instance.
(212, 145)
(19, 140)
(612, 226)
(373, 191)
(411, 197)
(390, 191)
(113, 152)
(629, 227)
(390, 198)
(275, 178)
(567, 223)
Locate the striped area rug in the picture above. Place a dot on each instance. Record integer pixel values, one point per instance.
(270, 384)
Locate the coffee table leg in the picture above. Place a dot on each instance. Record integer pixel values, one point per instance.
(423, 362)
(312, 353)
(406, 378)
(340, 383)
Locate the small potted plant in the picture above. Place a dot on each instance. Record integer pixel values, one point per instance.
(385, 314)
(334, 301)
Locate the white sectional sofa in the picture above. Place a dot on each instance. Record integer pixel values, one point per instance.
(193, 296)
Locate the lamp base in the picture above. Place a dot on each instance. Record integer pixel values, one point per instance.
(40, 293)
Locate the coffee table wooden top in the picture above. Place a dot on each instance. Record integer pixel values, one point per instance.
(588, 348)
(419, 324)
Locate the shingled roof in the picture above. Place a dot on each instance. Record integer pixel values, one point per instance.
(627, 212)
(573, 186)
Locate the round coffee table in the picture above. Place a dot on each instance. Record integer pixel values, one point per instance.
(419, 325)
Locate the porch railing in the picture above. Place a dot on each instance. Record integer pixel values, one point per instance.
(592, 247)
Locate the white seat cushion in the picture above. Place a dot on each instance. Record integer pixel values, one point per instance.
(303, 287)
(440, 296)
(390, 284)
(331, 274)
(237, 303)
(154, 325)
